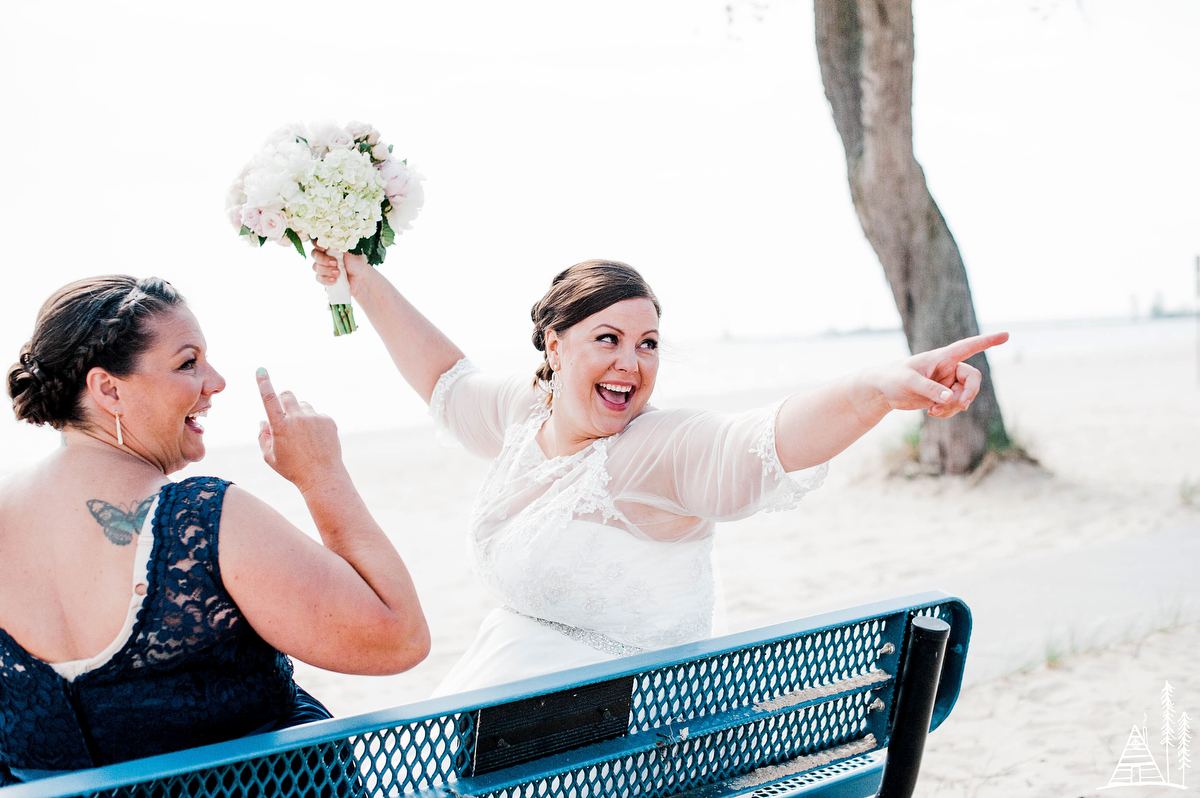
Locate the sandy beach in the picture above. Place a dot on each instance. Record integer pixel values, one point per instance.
(1060, 729)
(1110, 411)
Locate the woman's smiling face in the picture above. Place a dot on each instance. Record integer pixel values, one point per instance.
(607, 363)
(171, 388)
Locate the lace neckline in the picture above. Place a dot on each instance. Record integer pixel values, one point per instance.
(534, 426)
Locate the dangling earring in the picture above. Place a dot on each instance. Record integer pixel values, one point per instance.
(555, 386)
(120, 440)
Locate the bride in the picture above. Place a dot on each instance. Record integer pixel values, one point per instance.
(595, 523)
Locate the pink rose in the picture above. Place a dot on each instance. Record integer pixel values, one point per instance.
(339, 140)
(379, 152)
(251, 217)
(272, 224)
(235, 217)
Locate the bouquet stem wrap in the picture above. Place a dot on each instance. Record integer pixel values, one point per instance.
(339, 300)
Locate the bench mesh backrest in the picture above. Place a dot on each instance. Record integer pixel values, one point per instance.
(713, 711)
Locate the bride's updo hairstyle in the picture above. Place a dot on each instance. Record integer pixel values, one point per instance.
(94, 322)
(579, 291)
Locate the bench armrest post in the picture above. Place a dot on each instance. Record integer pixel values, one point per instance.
(914, 706)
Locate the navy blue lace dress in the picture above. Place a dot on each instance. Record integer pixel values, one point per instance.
(192, 672)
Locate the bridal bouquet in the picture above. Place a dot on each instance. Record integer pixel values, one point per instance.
(339, 187)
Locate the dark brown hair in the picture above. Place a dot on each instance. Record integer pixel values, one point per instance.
(94, 322)
(579, 291)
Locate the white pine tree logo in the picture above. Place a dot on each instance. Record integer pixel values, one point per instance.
(1138, 767)
(1167, 732)
(1183, 736)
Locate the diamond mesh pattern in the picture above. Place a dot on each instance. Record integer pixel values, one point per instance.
(741, 678)
(393, 761)
(676, 765)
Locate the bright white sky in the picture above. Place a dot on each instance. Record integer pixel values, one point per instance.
(687, 138)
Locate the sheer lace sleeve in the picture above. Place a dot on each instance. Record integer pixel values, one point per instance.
(475, 410)
(715, 466)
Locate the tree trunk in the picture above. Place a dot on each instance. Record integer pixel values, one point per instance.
(865, 50)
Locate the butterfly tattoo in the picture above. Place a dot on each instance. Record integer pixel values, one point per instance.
(121, 524)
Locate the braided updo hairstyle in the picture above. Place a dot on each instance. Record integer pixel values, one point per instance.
(94, 322)
(579, 291)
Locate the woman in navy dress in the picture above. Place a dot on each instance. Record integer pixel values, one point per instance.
(139, 615)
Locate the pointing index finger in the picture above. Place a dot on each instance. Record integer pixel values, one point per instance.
(969, 347)
(270, 400)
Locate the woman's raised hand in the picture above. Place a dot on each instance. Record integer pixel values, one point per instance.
(326, 267)
(348, 605)
(940, 380)
(298, 442)
(419, 349)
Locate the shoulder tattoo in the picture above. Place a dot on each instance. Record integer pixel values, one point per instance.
(120, 524)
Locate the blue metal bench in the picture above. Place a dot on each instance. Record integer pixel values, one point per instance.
(806, 707)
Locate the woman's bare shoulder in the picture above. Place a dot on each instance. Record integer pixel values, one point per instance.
(23, 486)
(242, 510)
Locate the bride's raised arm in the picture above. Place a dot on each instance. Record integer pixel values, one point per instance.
(815, 426)
(419, 349)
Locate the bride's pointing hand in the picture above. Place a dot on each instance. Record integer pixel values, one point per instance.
(940, 380)
(326, 267)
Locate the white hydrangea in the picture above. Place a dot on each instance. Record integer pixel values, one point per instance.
(339, 200)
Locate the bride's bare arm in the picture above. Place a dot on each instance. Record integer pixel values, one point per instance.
(420, 350)
(815, 426)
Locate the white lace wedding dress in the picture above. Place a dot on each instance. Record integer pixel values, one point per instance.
(606, 552)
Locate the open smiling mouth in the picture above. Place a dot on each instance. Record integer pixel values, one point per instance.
(192, 423)
(615, 397)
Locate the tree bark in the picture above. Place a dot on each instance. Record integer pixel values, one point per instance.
(865, 50)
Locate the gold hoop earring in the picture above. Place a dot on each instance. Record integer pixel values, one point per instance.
(120, 439)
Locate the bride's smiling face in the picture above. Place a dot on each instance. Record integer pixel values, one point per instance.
(607, 363)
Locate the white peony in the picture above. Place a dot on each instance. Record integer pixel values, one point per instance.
(270, 189)
(287, 133)
(291, 156)
(404, 191)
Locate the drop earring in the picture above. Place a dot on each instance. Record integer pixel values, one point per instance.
(555, 386)
(120, 439)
